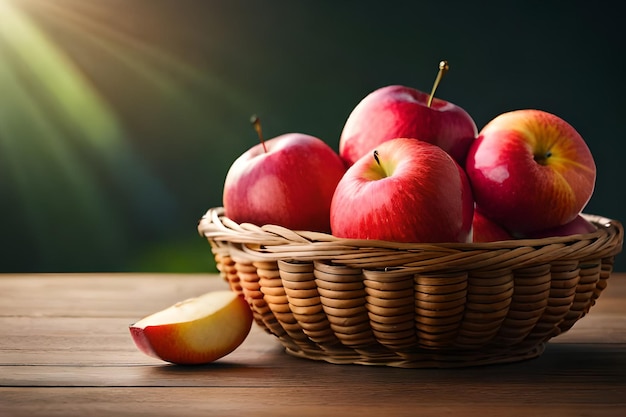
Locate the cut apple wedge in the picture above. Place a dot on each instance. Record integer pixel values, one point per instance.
(196, 331)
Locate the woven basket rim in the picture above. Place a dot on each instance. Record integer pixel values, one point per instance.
(272, 242)
(215, 225)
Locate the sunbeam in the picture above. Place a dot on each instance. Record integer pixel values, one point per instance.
(61, 144)
(148, 62)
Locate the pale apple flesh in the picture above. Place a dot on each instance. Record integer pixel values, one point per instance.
(411, 191)
(402, 112)
(290, 185)
(530, 170)
(195, 331)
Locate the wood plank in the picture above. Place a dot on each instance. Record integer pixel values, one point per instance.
(94, 342)
(131, 295)
(98, 342)
(305, 400)
(562, 366)
(98, 295)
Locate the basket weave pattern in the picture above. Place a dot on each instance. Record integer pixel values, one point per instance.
(412, 305)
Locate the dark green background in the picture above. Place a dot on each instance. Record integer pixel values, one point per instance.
(180, 79)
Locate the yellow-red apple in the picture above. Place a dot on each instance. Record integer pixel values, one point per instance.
(195, 331)
(530, 170)
(406, 190)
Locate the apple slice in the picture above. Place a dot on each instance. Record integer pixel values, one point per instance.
(195, 331)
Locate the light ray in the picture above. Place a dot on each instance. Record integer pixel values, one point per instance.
(64, 149)
(50, 119)
(149, 62)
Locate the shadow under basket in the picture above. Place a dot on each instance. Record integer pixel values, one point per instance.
(371, 302)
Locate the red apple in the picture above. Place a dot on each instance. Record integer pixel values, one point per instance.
(195, 331)
(578, 226)
(486, 230)
(398, 111)
(405, 191)
(287, 181)
(530, 170)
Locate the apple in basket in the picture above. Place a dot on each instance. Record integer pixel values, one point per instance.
(398, 111)
(406, 190)
(195, 331)
(288, 181)
(530, 170)
(578, 226)
(486, 230)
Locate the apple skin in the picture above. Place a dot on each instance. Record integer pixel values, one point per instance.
(398, 111)
(291, 185)
(530, 170)
(486, 230)
(417, 194)
(578, 226)
(196, 331)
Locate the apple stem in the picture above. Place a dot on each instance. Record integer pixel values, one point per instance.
(376, 157)
(443, 68)
(256, 123)
(542, 159)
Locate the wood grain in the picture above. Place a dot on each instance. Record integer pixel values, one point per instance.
(65, 350)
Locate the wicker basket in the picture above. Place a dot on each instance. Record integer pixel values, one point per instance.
(412, 305)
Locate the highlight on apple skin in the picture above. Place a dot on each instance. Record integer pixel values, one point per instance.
(530, 170)
(398, 111)
(406, 191)
(287, 181)
(195, 331)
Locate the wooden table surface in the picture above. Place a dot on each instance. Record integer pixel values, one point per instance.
(65, 350)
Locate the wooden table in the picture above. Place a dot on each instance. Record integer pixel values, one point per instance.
(65, 350)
